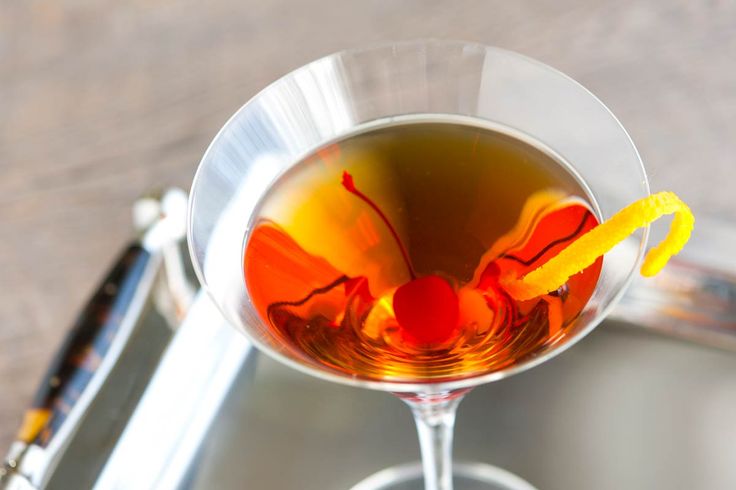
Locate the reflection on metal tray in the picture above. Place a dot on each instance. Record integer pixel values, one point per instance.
(623, 409)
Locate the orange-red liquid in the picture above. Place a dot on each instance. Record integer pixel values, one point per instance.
(380, 256)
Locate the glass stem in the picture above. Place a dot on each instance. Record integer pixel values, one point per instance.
(435, 420)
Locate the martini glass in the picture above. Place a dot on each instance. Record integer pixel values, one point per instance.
(344, 92)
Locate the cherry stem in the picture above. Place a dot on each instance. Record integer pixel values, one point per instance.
(349, 184)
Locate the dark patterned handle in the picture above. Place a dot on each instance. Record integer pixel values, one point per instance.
(84, 348)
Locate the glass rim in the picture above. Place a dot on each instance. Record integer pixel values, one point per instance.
(429, 386)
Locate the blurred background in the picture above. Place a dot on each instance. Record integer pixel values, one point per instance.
(101, 100)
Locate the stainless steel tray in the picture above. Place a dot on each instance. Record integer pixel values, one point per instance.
(625, 408)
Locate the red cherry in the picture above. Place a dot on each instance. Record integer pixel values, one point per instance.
(426, 309)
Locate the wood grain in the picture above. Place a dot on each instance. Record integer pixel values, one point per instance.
(101, 100)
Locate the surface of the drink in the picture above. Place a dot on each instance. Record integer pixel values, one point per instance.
(381, 256)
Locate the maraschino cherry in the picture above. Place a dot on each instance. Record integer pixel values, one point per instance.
(427, 307)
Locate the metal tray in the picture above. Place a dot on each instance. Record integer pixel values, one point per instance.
(625, 408)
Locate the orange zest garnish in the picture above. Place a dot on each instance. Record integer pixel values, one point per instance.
(585, 250)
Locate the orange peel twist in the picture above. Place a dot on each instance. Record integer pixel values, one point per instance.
(584, 251)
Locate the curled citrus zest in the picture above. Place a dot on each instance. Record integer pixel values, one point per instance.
(584, 251)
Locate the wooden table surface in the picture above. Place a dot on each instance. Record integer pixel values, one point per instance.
(101, 100)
